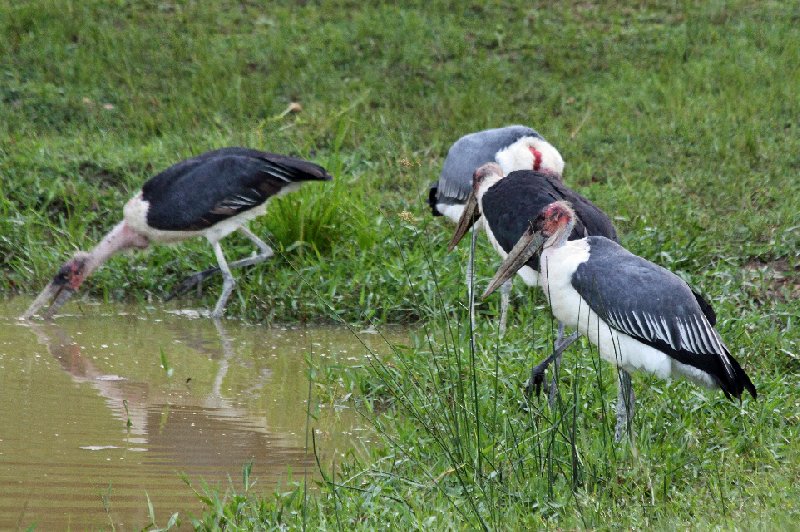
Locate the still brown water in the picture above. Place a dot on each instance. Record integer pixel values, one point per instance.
(232, 394)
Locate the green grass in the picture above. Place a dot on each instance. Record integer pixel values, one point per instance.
(681, 119)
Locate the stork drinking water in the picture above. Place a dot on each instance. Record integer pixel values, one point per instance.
(211, 195)
(638, 314)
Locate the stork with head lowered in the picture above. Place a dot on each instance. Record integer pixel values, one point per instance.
(513, 148)
(639, 315)
(506, 205)
(210, 195)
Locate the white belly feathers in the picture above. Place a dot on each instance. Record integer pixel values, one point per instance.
(614, 346)
(135, 215)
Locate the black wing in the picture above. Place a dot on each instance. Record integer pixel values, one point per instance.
(513, 202)
(199, 192)
(655, 306)
(594, 220)
(433, 193)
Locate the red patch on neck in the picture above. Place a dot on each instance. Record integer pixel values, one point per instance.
(537, 157)
(75, 276)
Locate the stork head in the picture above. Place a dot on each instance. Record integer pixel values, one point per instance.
(554, 219)
(551, 227)
(484, 177)
(65, 283)
(531, 153)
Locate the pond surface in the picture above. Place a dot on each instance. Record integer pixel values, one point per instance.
(92, 423)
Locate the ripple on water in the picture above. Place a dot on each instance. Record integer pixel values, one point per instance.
(100, 419)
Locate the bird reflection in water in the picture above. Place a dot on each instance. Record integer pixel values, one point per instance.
(196, 432)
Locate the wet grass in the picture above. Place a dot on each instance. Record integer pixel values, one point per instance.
(680, 119)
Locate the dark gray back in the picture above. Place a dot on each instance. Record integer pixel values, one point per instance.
(471, 151)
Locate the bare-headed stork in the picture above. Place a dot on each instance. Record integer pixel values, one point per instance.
(507, 205)
(210, 195)
(638, 314)
(513, 148)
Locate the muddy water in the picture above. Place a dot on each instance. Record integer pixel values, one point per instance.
(91, 423)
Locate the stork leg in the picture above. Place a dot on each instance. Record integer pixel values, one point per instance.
(228, 281)
(536, 379)
(470, 279)
(625, 403)
(505, 297)
(197, 278)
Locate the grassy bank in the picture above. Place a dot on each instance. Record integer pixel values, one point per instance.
(683, 121)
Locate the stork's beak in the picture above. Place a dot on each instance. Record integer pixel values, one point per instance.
(57, 291)
(528, 245)
(467, 220)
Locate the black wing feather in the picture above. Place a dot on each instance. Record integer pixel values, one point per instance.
(433, 192)
(655, 306)
(513, 202)
(197, 193)
(706, 307)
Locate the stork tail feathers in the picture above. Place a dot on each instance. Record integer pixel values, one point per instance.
(432, 194)
(292, 169)
(738, 382)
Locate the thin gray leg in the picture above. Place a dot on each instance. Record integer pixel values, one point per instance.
(470, 279)
(505, 297)
(227, 284)
(536, 379)
(195, 279)
(625, 406)
(266, 251)
(557, 348)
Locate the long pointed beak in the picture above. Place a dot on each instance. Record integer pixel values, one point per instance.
(467, 220)
(526, 247)
(59, 293)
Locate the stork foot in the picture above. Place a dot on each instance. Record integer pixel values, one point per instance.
(191, 282)
(535, 381)
(195, 279)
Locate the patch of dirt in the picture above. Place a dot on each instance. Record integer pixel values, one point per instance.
(782, 281)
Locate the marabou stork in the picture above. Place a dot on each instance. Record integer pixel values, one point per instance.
(638, 314)
(514, 148)
(210, 195)
(507, 205)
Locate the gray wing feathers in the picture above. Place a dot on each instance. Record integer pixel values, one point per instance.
(277, 170)
(470, 152)
(645, 301)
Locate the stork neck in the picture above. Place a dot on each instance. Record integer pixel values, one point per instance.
(560, 237)
(120, 238)
(487, 183)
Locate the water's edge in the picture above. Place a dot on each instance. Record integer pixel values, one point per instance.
(114, 401)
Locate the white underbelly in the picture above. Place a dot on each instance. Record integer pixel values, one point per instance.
(614, 346)
(135, 216)
(453, 212)
(529, 276)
